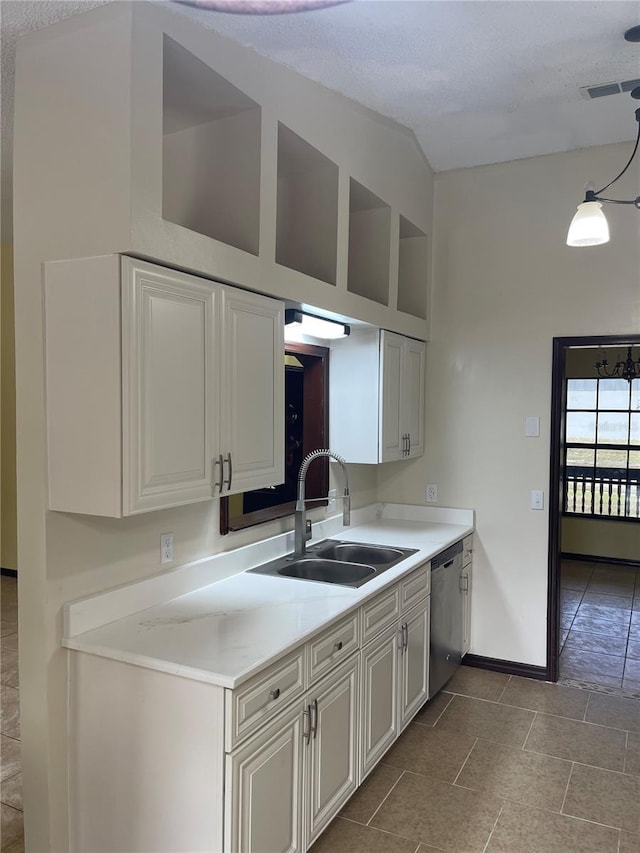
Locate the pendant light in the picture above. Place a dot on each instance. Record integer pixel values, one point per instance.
(589, 226)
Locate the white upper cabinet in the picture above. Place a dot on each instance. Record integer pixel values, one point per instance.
(377, 397)
(162, 388)
(252, 384)
(413, 387)
(169, 385)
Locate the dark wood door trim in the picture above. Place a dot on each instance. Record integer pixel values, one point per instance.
(556, 473)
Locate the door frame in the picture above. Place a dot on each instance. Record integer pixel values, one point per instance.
(560, 346)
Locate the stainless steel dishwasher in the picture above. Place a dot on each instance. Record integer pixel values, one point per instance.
(446, 616)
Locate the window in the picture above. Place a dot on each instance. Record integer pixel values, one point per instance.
(602, 448)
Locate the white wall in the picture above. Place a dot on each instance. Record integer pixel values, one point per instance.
(504, 284)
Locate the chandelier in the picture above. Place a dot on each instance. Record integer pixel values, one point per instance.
(628, 369)
(589, 226)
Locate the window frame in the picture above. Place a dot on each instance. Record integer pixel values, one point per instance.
(619, 476)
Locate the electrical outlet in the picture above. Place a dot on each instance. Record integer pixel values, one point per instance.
(431, 494)
(331, 502)
(166, 548)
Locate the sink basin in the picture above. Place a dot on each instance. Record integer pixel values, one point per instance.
(327, 571)
(332, 561)
(375, 555)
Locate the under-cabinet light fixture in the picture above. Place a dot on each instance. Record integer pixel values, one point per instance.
(589, 225)
(628, 369)
(260, 7)
(299, 323)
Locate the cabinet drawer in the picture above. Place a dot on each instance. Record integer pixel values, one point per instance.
(332, 647)
(467, 549)
(415, 587)
(379, 613)
(262, 697)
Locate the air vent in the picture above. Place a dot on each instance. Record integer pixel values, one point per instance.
(601, 90)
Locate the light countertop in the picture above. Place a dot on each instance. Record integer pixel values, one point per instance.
(224, 632)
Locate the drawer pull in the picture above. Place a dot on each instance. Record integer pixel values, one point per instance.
(274, 693)
(337, 646)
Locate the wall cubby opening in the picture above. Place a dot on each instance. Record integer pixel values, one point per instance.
(210, 152)
(307, 208)
(413, 270)
(369, 244)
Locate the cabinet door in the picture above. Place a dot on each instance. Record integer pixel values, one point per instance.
(333, 747)
(392, 428)
(465, 585)
(414, 657)
(252, 398)
(379, 715)
(169, 383)
(263, 802)
(413, 375)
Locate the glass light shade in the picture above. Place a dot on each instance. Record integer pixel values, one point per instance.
(589, 226)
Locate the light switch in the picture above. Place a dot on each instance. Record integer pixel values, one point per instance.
(532, 426)
(537, 499)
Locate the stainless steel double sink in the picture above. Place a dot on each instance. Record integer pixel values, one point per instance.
(337, 562)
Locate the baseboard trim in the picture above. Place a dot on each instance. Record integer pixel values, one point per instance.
(593, 558)
(510, 667)
(10, 573)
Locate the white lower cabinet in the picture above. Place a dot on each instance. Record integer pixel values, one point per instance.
(332, 757)
(262, 768)
(284, 784)
(379, 698)
(414, 666)
(263, 789)
(395, 664)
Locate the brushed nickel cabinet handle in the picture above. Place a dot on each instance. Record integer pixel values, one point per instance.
(219, 483)
(306, 724)
(227, 483)
(314, 719)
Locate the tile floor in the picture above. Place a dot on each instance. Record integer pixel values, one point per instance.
(600, 627)
(10, 762)
(500, 764)
(494, 764)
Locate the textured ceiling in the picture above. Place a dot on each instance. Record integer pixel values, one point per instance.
(478, 81)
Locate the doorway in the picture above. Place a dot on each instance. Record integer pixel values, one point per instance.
(593, 626)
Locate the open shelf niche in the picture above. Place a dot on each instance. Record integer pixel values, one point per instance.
(413, 270)
(210, 152)
(307, 215)
(369, 244)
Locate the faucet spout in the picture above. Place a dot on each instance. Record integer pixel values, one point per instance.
(301, 533)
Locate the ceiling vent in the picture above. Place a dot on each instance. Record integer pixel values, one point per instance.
(604, 89)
